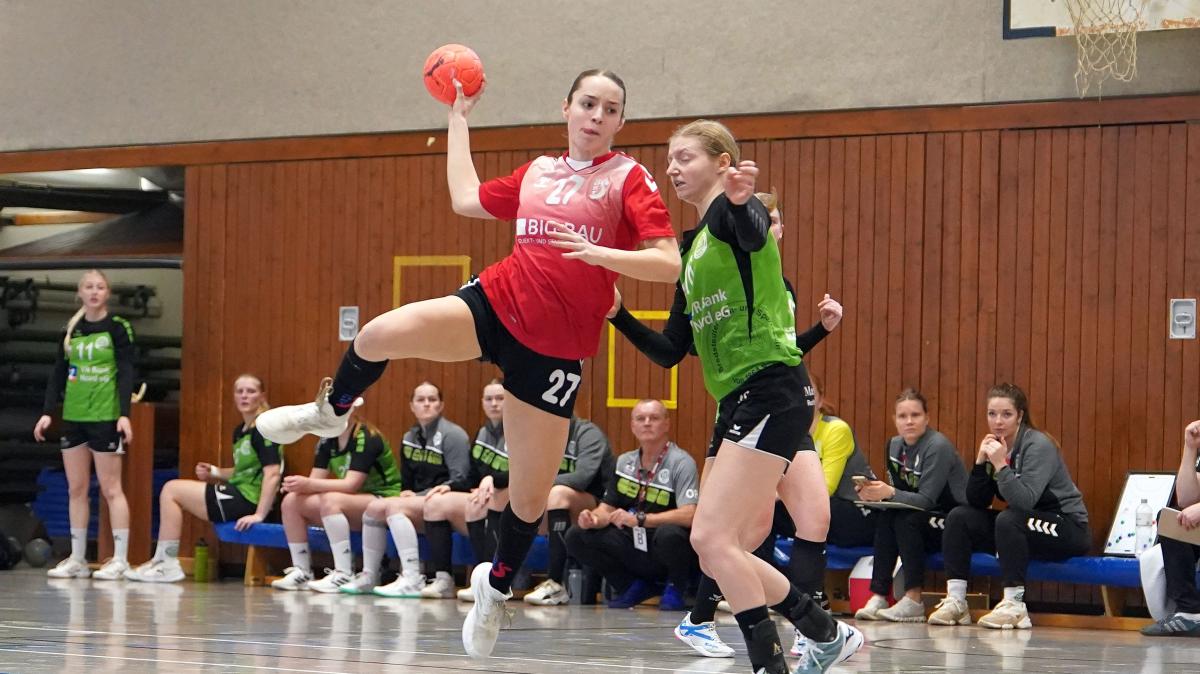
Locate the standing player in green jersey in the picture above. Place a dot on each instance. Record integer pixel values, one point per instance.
(94, 375)
(731, 305)
(243, 494)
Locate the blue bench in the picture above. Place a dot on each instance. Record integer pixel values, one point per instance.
(1105, 571)
(267, 535)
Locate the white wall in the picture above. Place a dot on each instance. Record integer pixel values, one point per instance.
(84, 73)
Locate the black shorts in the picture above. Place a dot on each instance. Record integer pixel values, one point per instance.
(226, 504)
(771, 412)
(549, 384)
(100, 436)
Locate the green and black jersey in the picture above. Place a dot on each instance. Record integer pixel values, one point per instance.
(731, 303)
(586, 458)
(96, 378)
(251, 453)
(437, 454)
(489, 456)
(674, 484)
(365, 452)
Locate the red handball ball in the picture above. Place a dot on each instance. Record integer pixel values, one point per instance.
(450, 62)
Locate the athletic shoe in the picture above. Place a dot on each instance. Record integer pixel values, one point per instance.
(637, 592)
(703, 638)
(362, 583)
(1008, 614)
(404, 587)
(821, 657)
(294, 578)
(332, 582)
(482, 626)
(70, 568)
(287, 424)
(724, 607)
(904, 611)
(672, 599)
(441, 587)
(1175, 625)
(113, 569)
(871, 610)
(466, 595)
(951, 611)
(548, 593)
(799, 645)
(157, 571)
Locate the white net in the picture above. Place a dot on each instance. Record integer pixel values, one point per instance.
(1106, 32)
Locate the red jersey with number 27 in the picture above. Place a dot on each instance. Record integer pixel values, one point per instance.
(556, 305)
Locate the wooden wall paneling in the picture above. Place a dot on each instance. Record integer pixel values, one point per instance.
(949, 198)
(1191, 279)
(1053, 365)
(1040, 281)
(1102, 416)
(931, 254)
(1140, 314)
(860, 310)
(990, 182)
(1007, 263)
(829, 355)
(898, 303)
(1158, 416)
(912, 261)
(1126, 220)
(1075, 312)
(845, 359)
(970, 297)
(1175, 408)
(877, 424)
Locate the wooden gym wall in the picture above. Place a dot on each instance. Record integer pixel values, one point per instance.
(1034, 243)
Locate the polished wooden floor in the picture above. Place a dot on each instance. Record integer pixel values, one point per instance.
(79, 626)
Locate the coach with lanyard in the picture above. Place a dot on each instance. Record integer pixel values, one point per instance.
(638, 536)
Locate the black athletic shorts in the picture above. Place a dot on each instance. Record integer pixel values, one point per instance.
(549, 384)
(771, 412)
(226, 504)
(100, 436)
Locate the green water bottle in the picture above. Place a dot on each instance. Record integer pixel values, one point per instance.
(200, 562)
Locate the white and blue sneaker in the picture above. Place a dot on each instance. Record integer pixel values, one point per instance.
(821, 657)
(703, 638)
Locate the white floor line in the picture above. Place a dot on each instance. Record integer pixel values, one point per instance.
(169, 662)
(308, 646)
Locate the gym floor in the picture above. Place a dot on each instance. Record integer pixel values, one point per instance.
(49, 625)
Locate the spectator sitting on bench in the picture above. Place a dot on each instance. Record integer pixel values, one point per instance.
(243, 493)
(640, 534)
(1179, 558)
(349, 473)
(1045, 519)
(927, 474)
(437, 461)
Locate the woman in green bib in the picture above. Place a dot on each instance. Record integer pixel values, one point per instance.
(94, 375)
(242, 494)
(732, 307)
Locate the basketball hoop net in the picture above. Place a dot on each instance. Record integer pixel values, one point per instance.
(1106, 33)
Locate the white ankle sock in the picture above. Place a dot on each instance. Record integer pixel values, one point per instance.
(405, 537)
(120, 544)
(79, 544)
(337, 528)
(957, 588)
(300, 556)
(166, 550)
(1015, 593)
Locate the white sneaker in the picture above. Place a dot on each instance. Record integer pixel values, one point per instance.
(951, 611)
(482, 626)
(404, 587)
(799, 645)
(724, 607)
(702, 637)
(548, 593)
(904, 611)
(871, 610)
(465, 594)
(70, 568)
(289, 423)
(157, 571)
(332, 582)
(113, 569)
(363, 582)
(1007, 615)
(822, 657)
(441, 587)
(294, 579)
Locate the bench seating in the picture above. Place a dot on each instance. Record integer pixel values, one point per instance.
(267, 535)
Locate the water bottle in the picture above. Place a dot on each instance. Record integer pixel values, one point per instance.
(200, 562)
(1145, 528)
